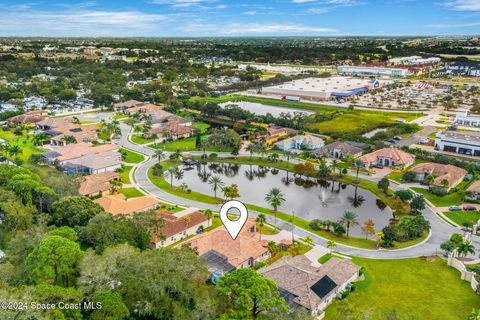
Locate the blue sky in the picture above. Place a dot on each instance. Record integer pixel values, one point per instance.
(160, 18)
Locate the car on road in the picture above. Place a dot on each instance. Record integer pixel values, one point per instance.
(455, 208)
(469, 208)
(424, 141)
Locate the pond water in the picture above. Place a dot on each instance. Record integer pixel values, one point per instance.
(262, 109)
(308, 198)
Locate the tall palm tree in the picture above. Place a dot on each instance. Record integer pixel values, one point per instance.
(209, 214)
(176, 155)
(348, 219)
(217, 183)
(330, 245)
(261, 220)
(308, 240)
(334, 165)
(289, 154)
(174, 173)
(69, 139)
(465, 248)
(39, 138)
(275, 198)
(357, 164)
(159, 154)
(251, 148)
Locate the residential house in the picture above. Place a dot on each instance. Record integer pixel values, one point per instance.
(144, 107)
(300, 142)
(30, 117)
(473, 192)
(388, 157)
(179, 226)
(274, 133)
(99, 184)
(223, 254)
(119, 205)
(448, 174)
(340, 150)
(458, 142)
(171, 131)
(121, 106)
(59, 128)
(312, 288)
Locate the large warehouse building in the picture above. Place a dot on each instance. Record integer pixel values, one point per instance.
(322, 89)
(373, 71)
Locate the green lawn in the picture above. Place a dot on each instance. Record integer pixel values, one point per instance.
(459, 217)
(451, 199)
(129, 156)
(325, 258)
(124, 174)
(131, 192)
(202, 127)
(119, 116)
(139, 139)
(414, 288)
(186, 144)
(24, 142)
(268, 230)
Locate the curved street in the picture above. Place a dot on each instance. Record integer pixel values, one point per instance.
(440, 230)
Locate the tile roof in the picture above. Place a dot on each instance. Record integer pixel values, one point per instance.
(76, 150)
(399, 156)
(29, 117)
(98, 161)
(346, 147)
(475, 187)
(441, 172)
(118, 204)
(94, 183)
(174, 225)
(55, 122)
(237, 251)
(296, 276)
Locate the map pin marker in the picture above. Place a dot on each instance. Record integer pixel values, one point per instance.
(233, 227)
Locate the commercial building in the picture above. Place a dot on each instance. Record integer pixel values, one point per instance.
(458, 142)
(373, 71)
(312, 288)
(463, 68)
(414, 60)
(322, 89)
(463, 118)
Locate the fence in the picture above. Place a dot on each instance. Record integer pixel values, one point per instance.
(464, 273)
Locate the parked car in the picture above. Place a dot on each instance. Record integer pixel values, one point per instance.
(378, 166)
(454, 208)
(397, 138)
(392, 141)
(469, 208)
(424, 141)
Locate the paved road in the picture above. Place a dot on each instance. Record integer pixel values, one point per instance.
(415, 138)
(440, 230)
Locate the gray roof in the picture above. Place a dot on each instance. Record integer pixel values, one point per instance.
(346, 147)
(296, 276)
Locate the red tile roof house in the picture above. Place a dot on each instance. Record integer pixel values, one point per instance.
(312, 288)
(58, 128)
(388, 157)
(121, 106)
(30, 117)
(441, 172)
(223, 254)
(473, 192)
(97, 184)
(178, 227)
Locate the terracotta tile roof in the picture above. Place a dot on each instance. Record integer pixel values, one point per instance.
(29, 117)
(81, 133)
(237, 251)
(174, 225)
(399, 156)
(77, 150)
(100, 182)
(441, 172)
(55, 122)
(175, 129)
(475, 187)
(128, 104)
(148, 108)
(297, 276)
(117, 204)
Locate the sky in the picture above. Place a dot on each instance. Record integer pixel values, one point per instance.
(228, 18)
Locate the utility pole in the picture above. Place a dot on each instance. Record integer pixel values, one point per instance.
(293, 226)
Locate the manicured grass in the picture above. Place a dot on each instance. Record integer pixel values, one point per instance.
(451, 199)
(104, 136)
(202, 127)
(415, 288)
(139, 139)
(325, 258)
(124, 174)
(186, 144)
(24, 142)
(131, 192)
(129, 156)
(459, 217)
(268, 230)
(119, 116)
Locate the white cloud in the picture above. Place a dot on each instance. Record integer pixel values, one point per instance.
(79, 22)
(255, 29)
(463, 5)
(183, 3)
(454, 25)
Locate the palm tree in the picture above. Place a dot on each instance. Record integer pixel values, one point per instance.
(474, 315)
(465, 248)
(217, 183)
(274, 157)
(14, 150)
(39, 138)
(308, 240)
(251, 148)
(357, 164)
(348, 219)
(160, 154)
(209, 214)
(69, 139)
(330, 245)
(261, 220)
(176, 155)
(275, 198)
(334, 165)
(174, 173)
(289, 154)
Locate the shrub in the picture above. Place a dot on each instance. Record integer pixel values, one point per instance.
(316, 224)
(157, 170)
(409, 176)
